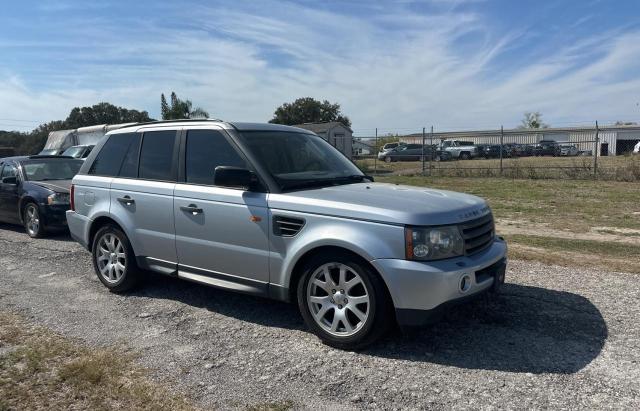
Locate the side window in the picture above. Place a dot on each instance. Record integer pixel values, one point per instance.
(110, 157)
(206, 150)
(156, 155)
(129, 167)
(9, 170)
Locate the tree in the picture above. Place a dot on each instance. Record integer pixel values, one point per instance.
(104, 113)
(309, 110)
(180, 109)
(533, 120)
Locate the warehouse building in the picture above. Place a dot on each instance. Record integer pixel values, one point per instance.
(612, 140)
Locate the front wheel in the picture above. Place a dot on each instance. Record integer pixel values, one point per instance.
(33, 224)
(343, 302)
(114, 260)
(464, 156)
(387, 159)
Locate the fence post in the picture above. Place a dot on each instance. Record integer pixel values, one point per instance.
(423, 163)
(375, 155)
(501, 144)
(596, 147)
(431, 145)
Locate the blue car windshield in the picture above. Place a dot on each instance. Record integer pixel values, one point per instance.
(51, 169)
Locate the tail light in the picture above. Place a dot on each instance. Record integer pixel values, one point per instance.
(72, 198)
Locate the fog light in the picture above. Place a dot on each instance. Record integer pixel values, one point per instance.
(465, 283)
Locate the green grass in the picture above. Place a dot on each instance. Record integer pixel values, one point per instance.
(567, 207)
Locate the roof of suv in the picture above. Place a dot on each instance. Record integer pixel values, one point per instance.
(203, 122)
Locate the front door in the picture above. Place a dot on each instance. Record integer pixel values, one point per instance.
(9, 194)
(221, 233)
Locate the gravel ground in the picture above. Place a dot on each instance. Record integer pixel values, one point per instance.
(555, 338)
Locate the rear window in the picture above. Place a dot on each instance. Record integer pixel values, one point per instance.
(50, 169)
(157, 156)
(111, 156)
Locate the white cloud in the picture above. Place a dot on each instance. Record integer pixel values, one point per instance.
(240, 63)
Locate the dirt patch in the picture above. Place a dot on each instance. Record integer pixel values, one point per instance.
(603, 234)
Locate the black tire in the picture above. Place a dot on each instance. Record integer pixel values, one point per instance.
(387, 159)
(464, 156)
(33, 223)
(132, 274)
(380, 315)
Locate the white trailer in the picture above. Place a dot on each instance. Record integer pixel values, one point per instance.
(59, 141)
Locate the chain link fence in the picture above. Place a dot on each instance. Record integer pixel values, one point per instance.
(573, 153)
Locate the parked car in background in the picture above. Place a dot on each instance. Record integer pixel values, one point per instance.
(462, 150)
(276, 211)
(415, 152)
(34, 191)
(493, 151)
(80, 152)
(547, 148)
(636, 149)
(388, 147)
(569, 150)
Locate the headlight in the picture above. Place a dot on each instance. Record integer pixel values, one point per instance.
(434, 243)
(58, 198)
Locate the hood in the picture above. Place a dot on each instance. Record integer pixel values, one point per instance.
(387, 203)
(58, 186)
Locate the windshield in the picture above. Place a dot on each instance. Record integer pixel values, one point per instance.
(74, 151)
(51, 169)
(297, 160)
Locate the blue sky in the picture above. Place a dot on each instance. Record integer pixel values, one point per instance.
(397, 65)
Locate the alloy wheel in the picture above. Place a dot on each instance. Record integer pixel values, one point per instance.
(111, 258)
(338, 299)
(32, 219)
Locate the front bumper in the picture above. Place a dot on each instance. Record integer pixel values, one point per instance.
(54, 215)
(420, 290)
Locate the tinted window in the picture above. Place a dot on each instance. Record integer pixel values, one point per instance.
(129, 167)
(156, 156)
(206, 150)
(9, 170)
(110, 157)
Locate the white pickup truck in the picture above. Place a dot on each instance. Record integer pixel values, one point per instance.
(462, 150)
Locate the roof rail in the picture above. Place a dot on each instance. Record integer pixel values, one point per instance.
(172, 121)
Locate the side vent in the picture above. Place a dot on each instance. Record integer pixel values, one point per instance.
(287, 226)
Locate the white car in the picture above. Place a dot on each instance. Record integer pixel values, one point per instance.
(569, 150)
(636, 149)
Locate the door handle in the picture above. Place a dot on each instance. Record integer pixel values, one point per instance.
(126, 200)
(192, 208)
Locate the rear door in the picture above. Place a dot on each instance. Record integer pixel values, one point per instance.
(142, 196)
(221, 233)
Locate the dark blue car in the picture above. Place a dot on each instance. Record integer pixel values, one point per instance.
(34, 191)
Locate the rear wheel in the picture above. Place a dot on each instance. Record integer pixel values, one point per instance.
(33, 224)
(114, 260)
(343, 302)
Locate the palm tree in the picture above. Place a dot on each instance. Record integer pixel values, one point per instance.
(180, 109)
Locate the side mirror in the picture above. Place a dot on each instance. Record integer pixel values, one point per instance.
(234, 177)
(10, 180)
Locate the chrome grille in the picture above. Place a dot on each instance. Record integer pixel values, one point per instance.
(287, 226)
(477, 234)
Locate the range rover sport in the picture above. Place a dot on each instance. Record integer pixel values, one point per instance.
(276, 211)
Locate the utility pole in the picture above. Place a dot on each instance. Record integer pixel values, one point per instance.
(501, 145)
(430, 145)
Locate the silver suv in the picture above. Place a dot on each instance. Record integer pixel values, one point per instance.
(276, 211)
